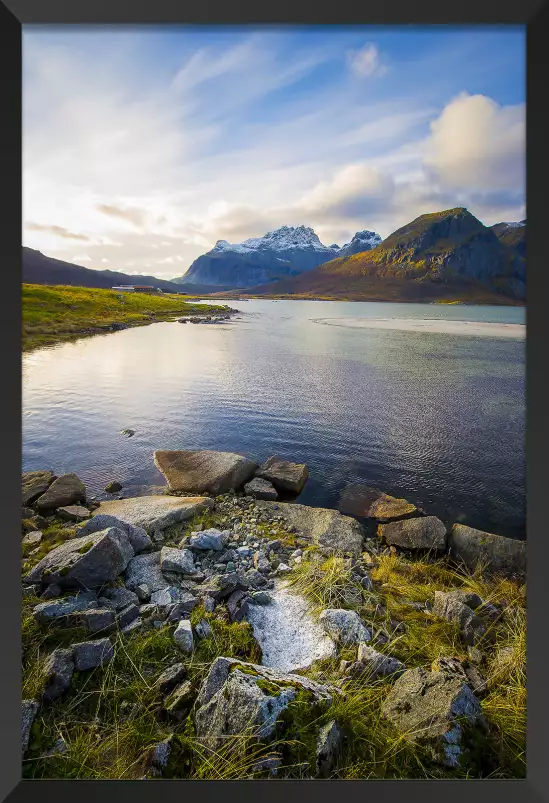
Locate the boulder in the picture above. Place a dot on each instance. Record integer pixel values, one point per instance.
(65, 490)
(73, 513)
(221, 586)
(126, 616)
(462, 669)
(145, 570)
(328, 529)
(284, 475)
(426, 532)
(91, 654)
(375, 664)
(57, 611)
(95, 620)
(328, 746)
(204, 471)
(58, 671)
(261, 489)
(367, 502)
(118, 598)
(183, 636)
(137, 536)
(180, 701)
(177, 560)
(237, 605)
(448, 606)
(29, 709)
(431, 709)
(154, 512)
(86, 562)
(170, 678)
(345, 627)
(243, 698)
(207, 539)
(34, 484)
(33, 538)
(497, 554)
(113, 487)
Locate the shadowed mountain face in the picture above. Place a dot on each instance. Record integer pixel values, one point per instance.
(40, 269)
(513, 235)
(284, 252)
(441, 255)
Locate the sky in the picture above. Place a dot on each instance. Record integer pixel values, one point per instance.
(143, 146)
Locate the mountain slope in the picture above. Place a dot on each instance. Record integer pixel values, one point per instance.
(281, 253)
(513, 235)
(40, 269)
(440, 255)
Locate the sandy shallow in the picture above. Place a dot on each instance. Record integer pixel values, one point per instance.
(289, 637)
(430, 325)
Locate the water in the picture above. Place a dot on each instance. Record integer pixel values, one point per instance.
(435, 416)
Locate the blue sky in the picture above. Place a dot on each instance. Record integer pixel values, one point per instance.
(144, 146)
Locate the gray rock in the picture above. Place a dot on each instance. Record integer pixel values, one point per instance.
(86, 562)
(143, 592)
(431, 708)
(46, 612)
(29, 709)
(375, 664)
(95, 620)
(145, 570)
(328, 746)
(135, 624)
(332, 532)
(73, 513)
(51, 592)
(231, 701)
(260, 598)
(127, 616)
(221, 586)
(155, 759)
(208, 539)
(261, 489)
(497, 554)
(183, 608)
(118, 598)
(211, 471)
(180, 701)
(91, 654)
(255, 579)
(261, 562)
(113, 487)
(183, 636)
(366, 583)
(426, 532)
(34, 484)
(283, 568)
(283, 474)
(237, 606)
(203, 629)
(65, 490)
(33, 538)
(448, 606)
(177, 560)
(137, 536)
(170, 677)
(344, 627)
(154, 512)
(58, 672)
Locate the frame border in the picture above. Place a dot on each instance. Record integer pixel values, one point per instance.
(533, 13)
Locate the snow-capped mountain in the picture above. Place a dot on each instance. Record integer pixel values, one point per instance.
(286, 251)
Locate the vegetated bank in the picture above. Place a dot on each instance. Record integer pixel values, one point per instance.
(139, 660)
(52, 314)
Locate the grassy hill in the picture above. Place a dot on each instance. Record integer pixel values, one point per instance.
(51, 314)
(445, 256)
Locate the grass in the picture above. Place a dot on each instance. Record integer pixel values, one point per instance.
(52, 314)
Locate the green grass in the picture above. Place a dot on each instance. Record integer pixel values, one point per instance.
(55, 313)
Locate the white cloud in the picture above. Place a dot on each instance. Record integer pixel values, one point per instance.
(475, 144)
(366, 62)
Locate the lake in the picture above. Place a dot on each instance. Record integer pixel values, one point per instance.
(424, 401)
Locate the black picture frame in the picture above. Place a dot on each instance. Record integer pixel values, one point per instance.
(533, 14)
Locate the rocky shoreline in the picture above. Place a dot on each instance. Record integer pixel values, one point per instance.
(225, 619)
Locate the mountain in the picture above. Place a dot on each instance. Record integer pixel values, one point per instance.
(513, 235)
(362, 241)
(40, 269)
(447, 254)
(288, 251)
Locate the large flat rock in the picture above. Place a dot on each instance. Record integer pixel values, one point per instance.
(283, 474)
(367, 502)
(154, 512)
(204, 471)
(498, 554)
(426, 532)
(65, 490)
(334, 533)
(34, 484)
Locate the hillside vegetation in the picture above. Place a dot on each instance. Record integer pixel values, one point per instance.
(53, 314)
